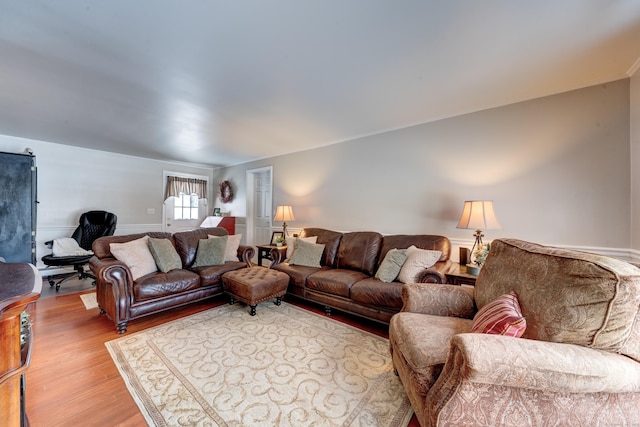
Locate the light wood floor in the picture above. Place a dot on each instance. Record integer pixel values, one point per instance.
(72, 380)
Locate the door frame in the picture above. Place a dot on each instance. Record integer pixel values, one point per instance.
(251, 201)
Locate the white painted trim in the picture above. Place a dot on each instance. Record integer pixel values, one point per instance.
(634, 68)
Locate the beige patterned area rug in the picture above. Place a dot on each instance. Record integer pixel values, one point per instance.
(89, 300)
(283, 367)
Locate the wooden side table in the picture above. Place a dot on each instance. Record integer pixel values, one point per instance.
(458, 275)
(264, 252)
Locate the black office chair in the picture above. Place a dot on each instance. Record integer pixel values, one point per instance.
(92, 224)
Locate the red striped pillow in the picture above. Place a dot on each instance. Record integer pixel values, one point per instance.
(501, 317)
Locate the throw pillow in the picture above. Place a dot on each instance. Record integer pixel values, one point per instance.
(211, 251)
(391, 265)
(231, 250)
(164, 254)
(291, 243)
(501, 317)
(136, 255)
(307, 254)
(417, 260)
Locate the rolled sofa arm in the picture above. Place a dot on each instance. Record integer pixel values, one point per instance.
(245, 253)
(537, 365)
(114, 289)
(438, 300)
(435, 274)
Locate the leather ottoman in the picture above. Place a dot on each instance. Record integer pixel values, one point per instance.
(255, 285)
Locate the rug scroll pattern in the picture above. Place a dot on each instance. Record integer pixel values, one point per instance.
(283, 367)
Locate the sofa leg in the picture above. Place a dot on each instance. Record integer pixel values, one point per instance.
(327, 310)
(231, 301)
(122, 327)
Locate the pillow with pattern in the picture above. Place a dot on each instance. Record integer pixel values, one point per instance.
(307, 254)
(391, 265)
(417, 260)
(502, 316)
(136, 255)
(211, 251)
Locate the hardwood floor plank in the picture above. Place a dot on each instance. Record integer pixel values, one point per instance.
(72, 380)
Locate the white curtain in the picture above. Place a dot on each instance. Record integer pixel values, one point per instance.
(177, 185)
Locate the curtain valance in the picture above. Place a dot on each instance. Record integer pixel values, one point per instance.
(177, 185)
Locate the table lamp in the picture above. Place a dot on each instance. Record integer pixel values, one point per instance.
(478, 215)
(284, 213)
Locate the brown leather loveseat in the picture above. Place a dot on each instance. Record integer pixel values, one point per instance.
(123, 299)
(345, 279)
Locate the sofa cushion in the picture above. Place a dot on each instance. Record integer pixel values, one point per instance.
(330, 239)
(307, 254)
(391, 265)
(420, 241)
(501, 317)
(212, 274)
(231, 250)
(417, 260)
(211, 251)
(159, 285)
(423, 340)
(290, 241)
(359, 251)
(375, 292)
(164, 254)
(187, 242)
(334, 281)
(298, 274)
(566, 296)
(136, 255)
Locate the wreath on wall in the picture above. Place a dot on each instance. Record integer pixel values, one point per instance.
(226, 192)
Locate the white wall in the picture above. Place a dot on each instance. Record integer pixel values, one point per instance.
(73, 180)
(635, 161)
(556, 167)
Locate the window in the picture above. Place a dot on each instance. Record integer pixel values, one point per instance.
(186, 206)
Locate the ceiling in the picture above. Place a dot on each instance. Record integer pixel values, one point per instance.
(225, 82)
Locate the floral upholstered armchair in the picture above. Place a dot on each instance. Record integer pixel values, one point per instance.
(564, 347)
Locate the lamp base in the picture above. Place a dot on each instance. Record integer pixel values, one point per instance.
(473, 269)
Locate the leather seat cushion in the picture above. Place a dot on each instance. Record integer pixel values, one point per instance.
(159, 284)
(212, 274)
(375, 292)
(335, 281)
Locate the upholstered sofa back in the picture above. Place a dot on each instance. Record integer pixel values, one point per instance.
(330, 240)
(101, 248)
(421, 241)
(187, 242)
(359, 251)
(566, 296)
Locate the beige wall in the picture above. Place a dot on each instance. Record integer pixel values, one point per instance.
(635, 161)
(556, 167)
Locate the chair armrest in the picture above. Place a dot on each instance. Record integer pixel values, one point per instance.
(245, 253)
(538, 365)
(435, 273)
(438, 300)
(277, 256)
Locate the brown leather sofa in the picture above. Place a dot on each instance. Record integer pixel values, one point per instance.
(346, 278)
(124, 299)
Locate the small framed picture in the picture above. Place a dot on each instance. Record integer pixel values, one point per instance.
(216, 211)
(277, 237)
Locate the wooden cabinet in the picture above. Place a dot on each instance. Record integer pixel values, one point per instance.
(14, 357)
(458, 276)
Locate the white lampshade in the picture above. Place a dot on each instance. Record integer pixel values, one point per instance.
(478, 215)
(284, 213)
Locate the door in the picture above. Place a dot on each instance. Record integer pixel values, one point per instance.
(185, 211)
(262, 211)
(259, 184)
